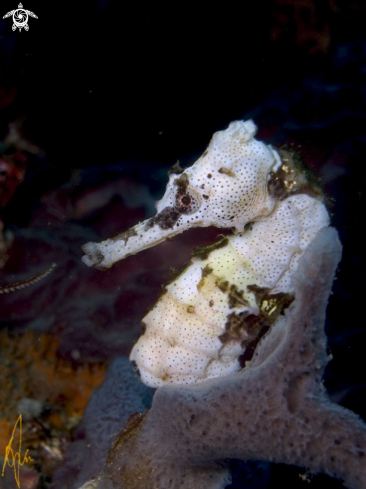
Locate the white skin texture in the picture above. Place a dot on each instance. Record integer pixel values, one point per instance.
(227, 187)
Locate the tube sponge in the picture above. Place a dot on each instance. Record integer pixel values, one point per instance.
(276, 409)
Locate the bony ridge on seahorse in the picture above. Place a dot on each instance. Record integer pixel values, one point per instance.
(209, 320)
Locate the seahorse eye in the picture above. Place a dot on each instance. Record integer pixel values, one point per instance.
(187, 202)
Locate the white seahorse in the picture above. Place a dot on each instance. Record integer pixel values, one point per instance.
(209, 320)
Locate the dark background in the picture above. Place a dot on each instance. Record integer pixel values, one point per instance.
(103, 81)
(110, 90)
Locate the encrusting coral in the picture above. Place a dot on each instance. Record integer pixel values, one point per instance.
(276, 409)
(49, 391)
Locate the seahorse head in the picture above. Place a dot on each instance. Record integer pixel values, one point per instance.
(226, 187)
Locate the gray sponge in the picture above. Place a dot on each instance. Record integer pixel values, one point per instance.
(276, 409)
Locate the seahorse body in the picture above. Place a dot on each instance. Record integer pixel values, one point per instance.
(209, 320)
